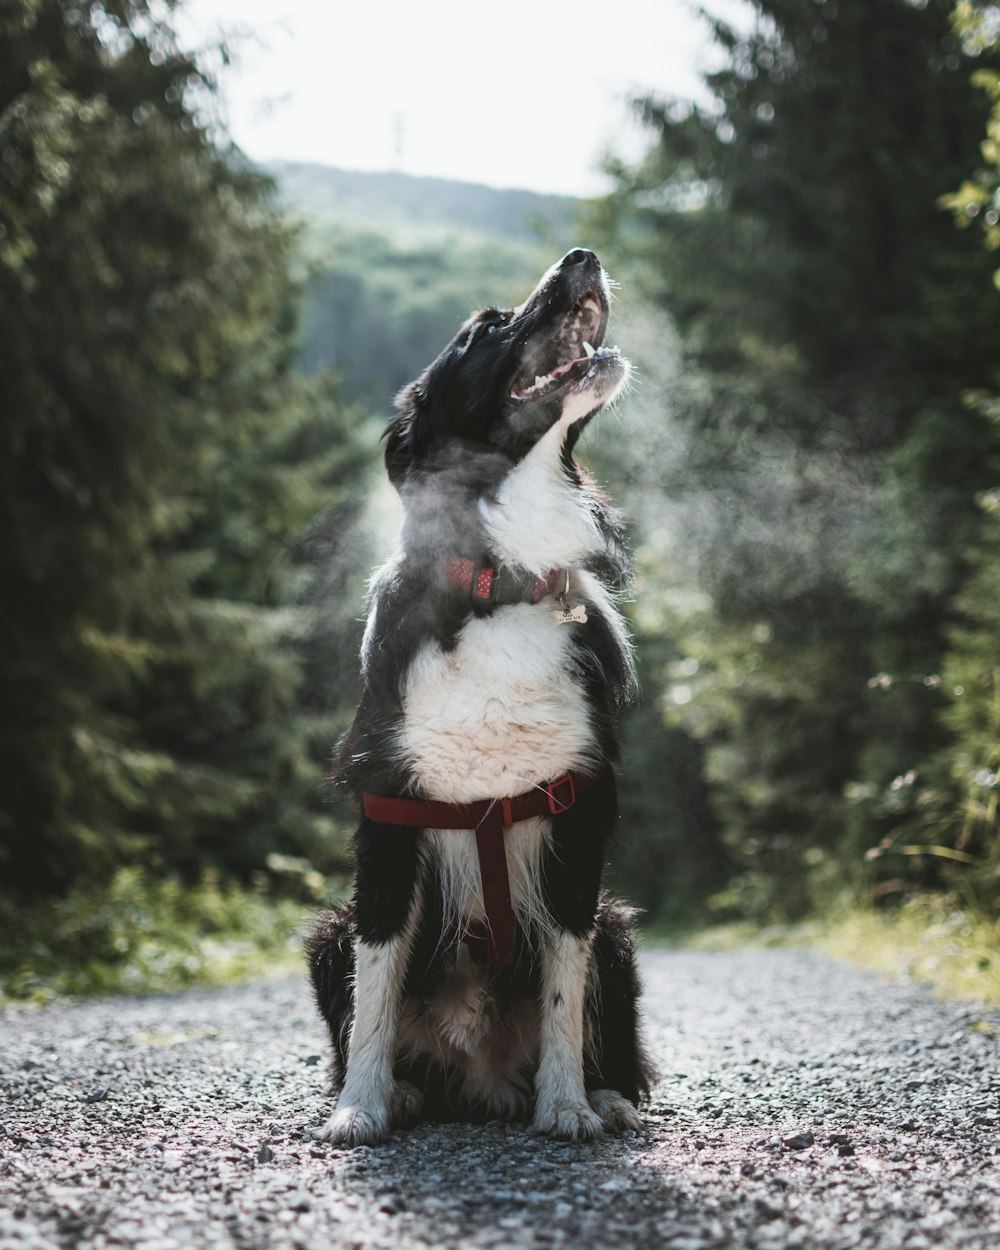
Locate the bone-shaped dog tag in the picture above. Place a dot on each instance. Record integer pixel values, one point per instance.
(572, 616)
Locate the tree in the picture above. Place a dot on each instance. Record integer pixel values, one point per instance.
(832, 319)
(961, 809)
(977, 25)
(157, 454)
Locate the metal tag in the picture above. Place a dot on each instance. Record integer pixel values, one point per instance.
(572, 616)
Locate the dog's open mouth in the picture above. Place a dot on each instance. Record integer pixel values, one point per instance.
(576, 351)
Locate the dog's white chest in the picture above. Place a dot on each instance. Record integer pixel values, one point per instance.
(500, 712)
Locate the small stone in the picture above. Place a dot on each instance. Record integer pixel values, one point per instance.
(265, 1154)
(312, 1060)
(96, 1093)
(768, 1210)
(300, 1200)
(798, 1141)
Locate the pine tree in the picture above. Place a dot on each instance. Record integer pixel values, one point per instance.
(832, 318)
(158, 457)
(963, 813)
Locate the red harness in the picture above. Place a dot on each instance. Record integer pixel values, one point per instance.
(489, 818)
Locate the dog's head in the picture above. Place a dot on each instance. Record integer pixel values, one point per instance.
(509, 376)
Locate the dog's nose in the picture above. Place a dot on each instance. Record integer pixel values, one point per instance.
(580, 256)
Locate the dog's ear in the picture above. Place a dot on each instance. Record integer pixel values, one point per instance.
(421, 425)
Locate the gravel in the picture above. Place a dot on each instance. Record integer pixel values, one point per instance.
(803, 1104)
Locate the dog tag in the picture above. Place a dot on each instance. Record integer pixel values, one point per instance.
(572, 616)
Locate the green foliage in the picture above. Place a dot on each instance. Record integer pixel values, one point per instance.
(825, 466)
(793, 221)
(931, 937)
(971, 677)
(137, 935)
(978, 198)
(670, 856)
(158, 455)
(382, 303)
(952, 818)
(817, 607)
(396, 263)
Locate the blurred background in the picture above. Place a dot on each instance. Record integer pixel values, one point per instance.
(229, 232)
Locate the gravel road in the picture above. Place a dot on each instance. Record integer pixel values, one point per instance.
(803, 1104)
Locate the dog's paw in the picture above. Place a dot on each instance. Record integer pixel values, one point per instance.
(616, 1112)
(572, 1122)
(357, 1126)
(407, 1103)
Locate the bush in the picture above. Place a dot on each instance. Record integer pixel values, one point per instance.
(142, 935)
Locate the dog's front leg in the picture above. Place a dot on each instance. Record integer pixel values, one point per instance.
(561, 1107)
(572, 876)
(371, 1097)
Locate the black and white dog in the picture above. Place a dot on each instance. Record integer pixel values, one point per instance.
(479, 971)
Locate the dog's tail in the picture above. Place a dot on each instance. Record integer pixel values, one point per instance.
(617, 1055)
(329, 948)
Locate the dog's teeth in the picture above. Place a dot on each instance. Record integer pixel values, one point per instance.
(617, 349)
(542, 382)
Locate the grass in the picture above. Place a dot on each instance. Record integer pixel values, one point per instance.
(141, 935)
(931, 938)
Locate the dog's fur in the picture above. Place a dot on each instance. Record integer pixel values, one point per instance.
(464, 702)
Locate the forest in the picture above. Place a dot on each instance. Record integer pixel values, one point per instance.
(198, 357)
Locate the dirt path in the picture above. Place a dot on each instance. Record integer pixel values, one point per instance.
(802, 1104)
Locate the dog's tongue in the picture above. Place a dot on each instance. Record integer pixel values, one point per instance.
(588, 354)
(560, 371)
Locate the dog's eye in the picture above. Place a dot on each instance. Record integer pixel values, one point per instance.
(484, 329)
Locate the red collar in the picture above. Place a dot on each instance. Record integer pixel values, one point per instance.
(486, 583)
(489, 818)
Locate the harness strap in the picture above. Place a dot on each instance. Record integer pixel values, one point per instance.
(489, 818)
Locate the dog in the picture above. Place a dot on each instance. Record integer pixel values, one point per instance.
(480, 971)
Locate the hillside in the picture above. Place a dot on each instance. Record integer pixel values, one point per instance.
(392, 200)
(397, 262)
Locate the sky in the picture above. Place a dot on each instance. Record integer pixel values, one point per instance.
(524, 93)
